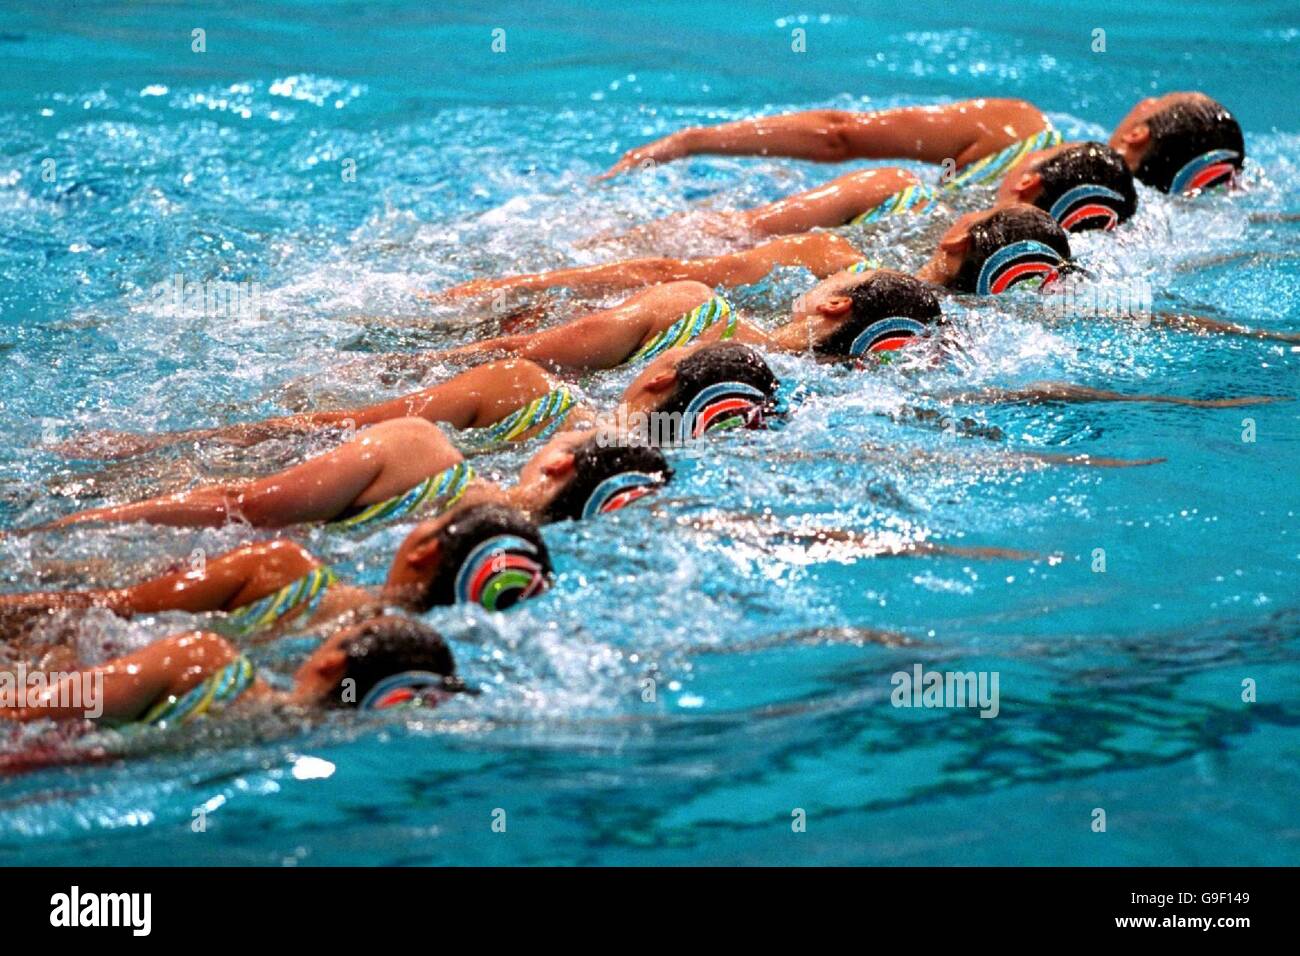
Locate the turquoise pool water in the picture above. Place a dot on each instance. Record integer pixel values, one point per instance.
(772, 661)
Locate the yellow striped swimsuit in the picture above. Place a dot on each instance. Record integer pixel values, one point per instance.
(865, 265)
(216, 692)
(436, 493)
(991, 167)
(688, 328)
(299, 598)
(550, 409)
(918, 199)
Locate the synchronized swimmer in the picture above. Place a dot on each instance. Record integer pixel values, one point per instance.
(697, 364)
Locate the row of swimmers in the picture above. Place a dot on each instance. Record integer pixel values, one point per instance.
(701, 368)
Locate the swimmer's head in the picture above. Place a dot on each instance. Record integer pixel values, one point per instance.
(581, 474)
(1181, 143)
(379, 663)
(992, 252)
(856, 314)
(702, 388)
(485, 554)
(1081, 185)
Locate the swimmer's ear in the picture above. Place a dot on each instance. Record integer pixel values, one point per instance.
(663, 381)
(1026, 184)
(957, 243)
(559, 465)
(330, 666)
(835, 307)
(424, 554)
(1139, 135)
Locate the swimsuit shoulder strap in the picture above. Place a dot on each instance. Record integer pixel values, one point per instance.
(550, 409)
(991, 167)
(864, 265)
(688, 328)
(437, 492)
(918, 199)
(299, 598)
(214, 692)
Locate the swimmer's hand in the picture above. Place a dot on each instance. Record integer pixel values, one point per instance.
(673, 146)
(1038, 393)
(110, 445)
(478, 287)
(1086, 460)
(1203, 324)
(117, 446)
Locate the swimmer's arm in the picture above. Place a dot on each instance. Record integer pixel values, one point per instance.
(599, 340)
(15, 608)
(1011, 458)
(609, 276)
(1068, 393)
(976, 553)
(1084, 459)
(126, 687)
(114, 445)
(1199, 323)
(830, 205)
(450, 403)
(906, 548)
(476, 397)
(380, 462)
(594, 341)
(963, 131)
(827, 206)
(821, 253)
(227, 581)
(206, 507)
(114, 599)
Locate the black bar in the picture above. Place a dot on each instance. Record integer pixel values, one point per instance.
(332, 905)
